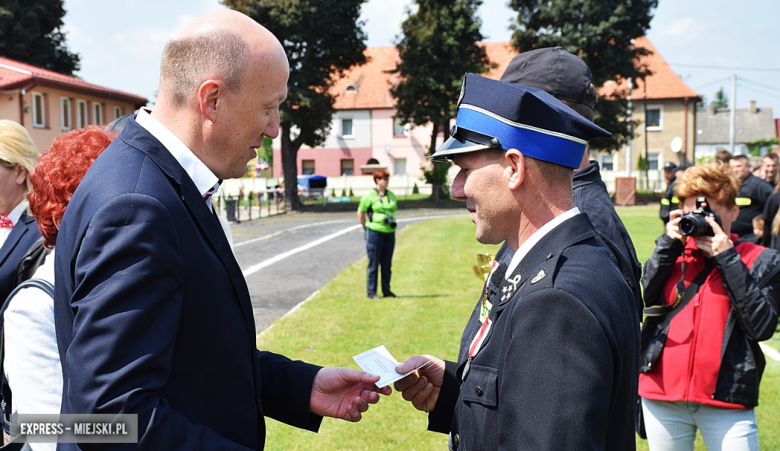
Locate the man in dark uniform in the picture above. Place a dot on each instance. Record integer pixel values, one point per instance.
(668, 201)
(550, 360)
(753, 193)
(567, 78)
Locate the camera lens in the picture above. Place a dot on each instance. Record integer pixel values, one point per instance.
(693, 225)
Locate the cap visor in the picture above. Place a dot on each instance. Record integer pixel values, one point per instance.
(453, 147)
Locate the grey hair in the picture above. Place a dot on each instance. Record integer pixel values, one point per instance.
(189, 60)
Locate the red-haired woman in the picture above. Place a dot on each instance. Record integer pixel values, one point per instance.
(32, 362)
(376, 213)
(713, 299)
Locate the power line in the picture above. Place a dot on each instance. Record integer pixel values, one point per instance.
(763, 93)
(759, 84)
(764, 69)
(712, 83)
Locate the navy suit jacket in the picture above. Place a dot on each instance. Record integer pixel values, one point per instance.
(153, 315)
(558, 368)
(23, 235)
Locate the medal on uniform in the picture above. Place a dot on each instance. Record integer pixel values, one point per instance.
(485, 305)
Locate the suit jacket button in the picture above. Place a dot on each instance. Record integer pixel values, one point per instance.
(479, 391)
(455, 441)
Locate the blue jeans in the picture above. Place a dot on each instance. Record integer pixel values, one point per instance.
(671, 426)
(379, 247)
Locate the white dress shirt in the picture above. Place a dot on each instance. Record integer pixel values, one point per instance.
(205, 180)
(528, 244)
(13, 216)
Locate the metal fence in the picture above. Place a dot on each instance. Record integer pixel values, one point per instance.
(252, 205)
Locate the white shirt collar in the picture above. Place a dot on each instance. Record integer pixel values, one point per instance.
(16, 213)
(201, 175)
(528, 244)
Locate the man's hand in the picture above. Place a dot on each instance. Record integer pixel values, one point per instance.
(344, 393)
(423, 386)
(673, 226)
(714, 245)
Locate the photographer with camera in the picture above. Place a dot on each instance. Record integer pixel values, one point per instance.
(376, 213)
(711, 299)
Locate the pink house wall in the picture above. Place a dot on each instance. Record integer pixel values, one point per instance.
(327, 162)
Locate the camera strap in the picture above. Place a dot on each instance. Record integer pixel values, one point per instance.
(684, 294)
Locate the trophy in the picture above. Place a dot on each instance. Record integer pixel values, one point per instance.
(485, 263)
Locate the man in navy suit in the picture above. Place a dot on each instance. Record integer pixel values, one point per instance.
(153, 316)
(549, 359)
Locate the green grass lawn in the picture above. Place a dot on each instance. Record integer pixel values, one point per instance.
(432, 274)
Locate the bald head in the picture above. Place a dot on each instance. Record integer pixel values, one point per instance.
(216, 45)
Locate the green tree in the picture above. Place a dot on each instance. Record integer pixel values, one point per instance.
(31, 32)
(601, 32)
(439, 43)
(721, 100)
(322, 39)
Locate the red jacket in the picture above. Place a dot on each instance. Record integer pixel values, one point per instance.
(687, 370)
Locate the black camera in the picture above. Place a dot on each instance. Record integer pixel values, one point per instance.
(695, 223)
(390, 221)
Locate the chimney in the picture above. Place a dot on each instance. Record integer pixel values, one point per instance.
(753, 108)
(712, 107)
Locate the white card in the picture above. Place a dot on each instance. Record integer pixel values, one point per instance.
(380, 362)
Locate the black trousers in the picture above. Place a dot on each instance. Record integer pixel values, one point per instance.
(379, 247)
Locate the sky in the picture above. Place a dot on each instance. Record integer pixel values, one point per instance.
(120, 42)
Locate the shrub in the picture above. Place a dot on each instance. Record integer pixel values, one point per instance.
(415, 190)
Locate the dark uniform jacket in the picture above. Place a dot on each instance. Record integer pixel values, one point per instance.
(153, 316)
(24, 234)
(753, 317)
(558, 369)
(669, 202)
(770, 211)
(591, 197)
(753, 194)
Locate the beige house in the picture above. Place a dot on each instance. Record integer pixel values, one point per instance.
(665, 108)
(49, 104)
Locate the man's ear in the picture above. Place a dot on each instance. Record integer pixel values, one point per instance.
(209, 98)
(515, 166)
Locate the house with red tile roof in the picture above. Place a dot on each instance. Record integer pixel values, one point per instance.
(49, 104)
(666, 110)
(364, 129)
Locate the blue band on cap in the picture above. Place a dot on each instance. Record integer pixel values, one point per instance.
(531, 143)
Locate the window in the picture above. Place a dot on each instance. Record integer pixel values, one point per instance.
(346, 128)
(347, 167)
(398, 129)
(652, 161)
(308, 167)
(399, 166)
(97, 113)
(608, 162)
(82, 114)
(65, 122)
(655, 118)
(117, 112)
(39, 114)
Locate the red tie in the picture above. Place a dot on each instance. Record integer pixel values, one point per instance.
(6, 223)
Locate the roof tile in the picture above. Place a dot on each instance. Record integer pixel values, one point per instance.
(372, 79)
(14, 72)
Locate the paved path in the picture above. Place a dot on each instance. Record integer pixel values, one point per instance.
(287, 258)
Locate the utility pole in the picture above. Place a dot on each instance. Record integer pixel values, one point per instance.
(733, 113)
(631, 131)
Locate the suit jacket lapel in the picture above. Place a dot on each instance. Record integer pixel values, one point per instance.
(139, 138)
(21, 228)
